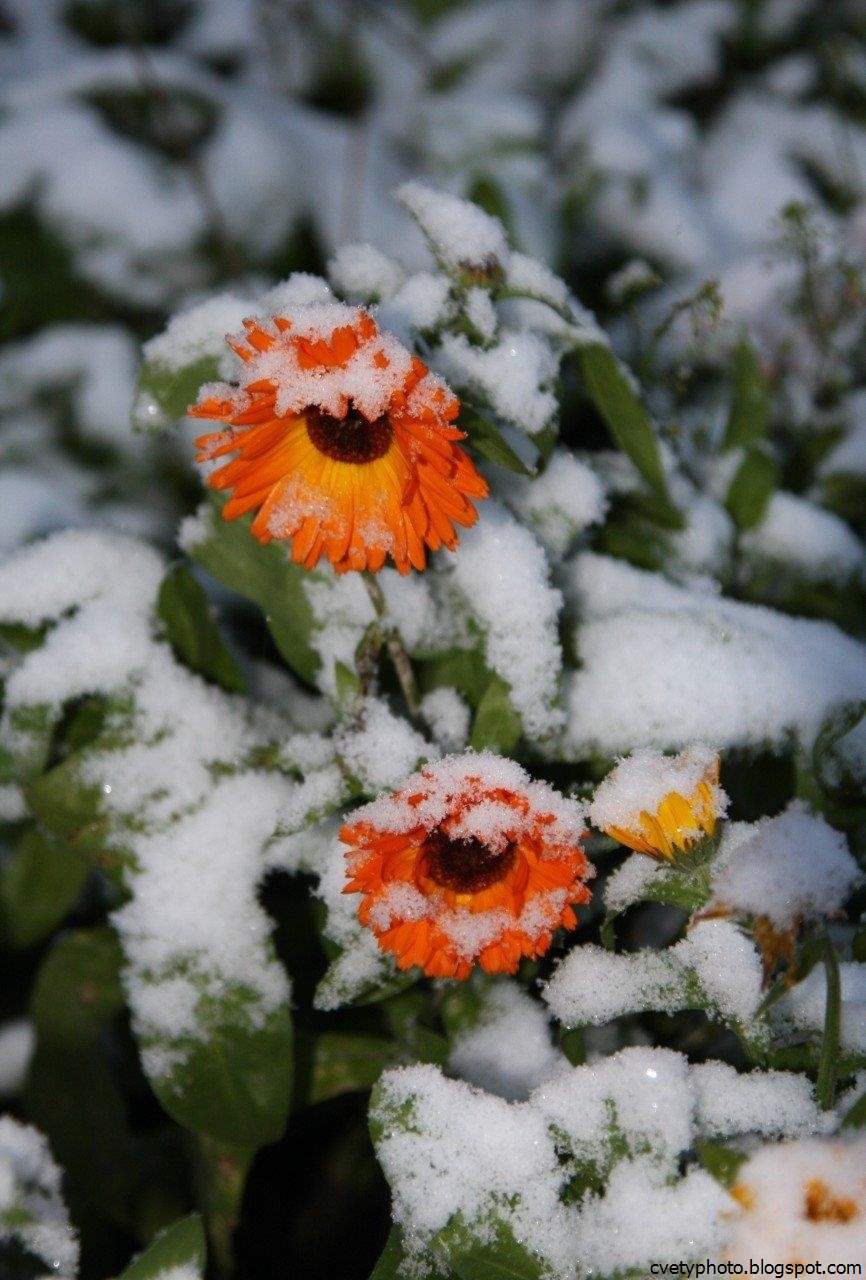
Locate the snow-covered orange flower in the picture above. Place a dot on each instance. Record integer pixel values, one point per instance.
(471, 862)
(660, 804)
(343, 441)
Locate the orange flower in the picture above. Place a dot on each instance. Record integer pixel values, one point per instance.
(470, 863)
(342, 440)
(660, 804)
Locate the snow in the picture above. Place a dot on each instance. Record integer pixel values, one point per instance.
(814, 542)
(462, 236)
(794, 867)
(502, 574)
(384, 750)
(32, 1212)
(803, 1006)
(803, 1199)
(17, 1041)
(447, 717)
(664, 665)
(514, 376)
(362, 273)
(191, 841)
(509, 1017)
(714, 967)
(773, 1103)
(560, 503)
(197, 332)
(640, 782)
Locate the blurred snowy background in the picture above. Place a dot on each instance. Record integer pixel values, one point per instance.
(154, 151)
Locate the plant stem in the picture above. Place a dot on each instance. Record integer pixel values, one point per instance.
(825, 1087)
(221, 1174)
(396, 652)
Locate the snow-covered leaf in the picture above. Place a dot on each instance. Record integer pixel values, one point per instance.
(180, 1245)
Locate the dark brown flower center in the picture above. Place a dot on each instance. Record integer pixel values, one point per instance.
(465, 866)
(349, 439)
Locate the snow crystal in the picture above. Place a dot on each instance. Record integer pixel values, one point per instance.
(31, 1209)
(592, 986)
(17, 1040)
(628, 883)
(774, 1103)
(422, 302)
(509, 1017)
(462, 235)
(514, 375)
(320, 792)
(813, 541)
(704, 545)
(204, 869)
(642, 1218)
(791, 867)
(468, 1152)
(503, 575)
(481, 313)
(638, 1095)
(804, 1005)
(364, 274)
(803, 1199)
(664, 665)
(198, 332)
(384, 750)
(447, 716)
(566, 498)
(642, 780)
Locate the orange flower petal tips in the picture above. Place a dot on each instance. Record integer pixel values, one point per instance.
(658, 804)
(341, 440)
(471, 862)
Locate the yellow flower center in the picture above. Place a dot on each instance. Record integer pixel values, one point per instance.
(350, 439)
(465, 866)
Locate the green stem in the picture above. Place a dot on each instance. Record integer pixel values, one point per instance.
(825, 1087)
(396, 652)
(221, 1172)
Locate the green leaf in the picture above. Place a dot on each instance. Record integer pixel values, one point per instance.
(463, 669)
(721, 1162)
(754, 483)
(183, 607)
(489, 442)
(234, 1082)
(29, 731)
(855, 1116)
(70, 809)
(264, 575)
(39, 883)
(388, 1266)
(348, 684)
(750, 401)
(496, 723)
(164, 394)
(610, 390)
(335, 1062)
(182, 1244)
(71, 1092)
(499, 1258)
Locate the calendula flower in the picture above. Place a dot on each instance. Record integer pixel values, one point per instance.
(342, 441)
(471, 862)
(660, 804)
(803, 1199)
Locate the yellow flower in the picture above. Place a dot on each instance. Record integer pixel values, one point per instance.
(661, 805)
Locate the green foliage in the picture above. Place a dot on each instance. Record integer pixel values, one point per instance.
(496, 725)
(489, 442)
(265, 575)
(184, 609)
(233, 1083)
(754, 483)
(182, 1244)
(164, 393)
(39, 883)
(722, 1162)
(611, 390)
(749, 417)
